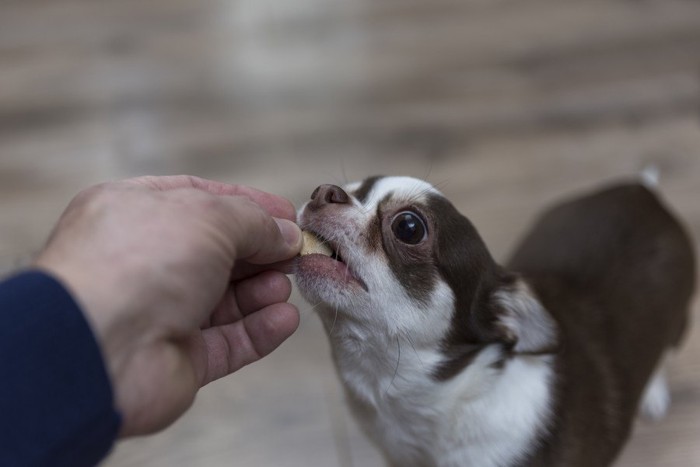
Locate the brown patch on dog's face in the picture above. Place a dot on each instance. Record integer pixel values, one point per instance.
(366, 187)
(464, 262)
(430, 241)
(427, 240)
(408, 234)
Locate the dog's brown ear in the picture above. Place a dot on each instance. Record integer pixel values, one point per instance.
(526, 325)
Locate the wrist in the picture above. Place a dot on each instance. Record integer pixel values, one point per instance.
(101, 316)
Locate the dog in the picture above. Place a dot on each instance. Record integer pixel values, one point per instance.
(450, 359)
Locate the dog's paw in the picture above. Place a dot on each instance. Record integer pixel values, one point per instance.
(657, 397)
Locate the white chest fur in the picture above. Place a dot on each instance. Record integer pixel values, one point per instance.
(483, 417)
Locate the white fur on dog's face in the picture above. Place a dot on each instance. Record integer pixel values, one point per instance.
(370, 291)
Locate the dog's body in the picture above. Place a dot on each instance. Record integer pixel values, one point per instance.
(451, 360)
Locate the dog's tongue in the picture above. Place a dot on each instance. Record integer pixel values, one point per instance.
(313, 245)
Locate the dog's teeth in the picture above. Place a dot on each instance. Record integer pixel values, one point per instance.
(312, 245)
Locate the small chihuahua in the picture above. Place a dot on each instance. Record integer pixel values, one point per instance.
(450, 360)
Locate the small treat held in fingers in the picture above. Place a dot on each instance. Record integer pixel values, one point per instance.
(314, 245)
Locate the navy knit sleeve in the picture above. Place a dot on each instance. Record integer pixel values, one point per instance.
(56, 401)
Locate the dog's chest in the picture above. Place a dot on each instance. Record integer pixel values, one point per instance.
(476, 419)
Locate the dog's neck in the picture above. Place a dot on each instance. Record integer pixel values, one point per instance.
(489, 414)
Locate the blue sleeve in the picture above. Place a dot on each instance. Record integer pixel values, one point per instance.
(56, 401)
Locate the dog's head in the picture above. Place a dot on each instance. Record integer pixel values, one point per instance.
(405, 262)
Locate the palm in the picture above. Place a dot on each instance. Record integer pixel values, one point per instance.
(251, 320)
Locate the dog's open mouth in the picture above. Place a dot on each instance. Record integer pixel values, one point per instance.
(317, 246)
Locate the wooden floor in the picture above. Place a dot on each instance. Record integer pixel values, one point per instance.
(506, 105)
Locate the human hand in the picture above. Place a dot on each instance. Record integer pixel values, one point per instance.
(182, 280)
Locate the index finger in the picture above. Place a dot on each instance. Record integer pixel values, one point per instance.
(276, 206)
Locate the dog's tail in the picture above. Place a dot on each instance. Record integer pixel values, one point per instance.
(650, 177)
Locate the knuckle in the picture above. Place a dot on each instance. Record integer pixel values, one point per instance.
(248, 209)
(93, 194)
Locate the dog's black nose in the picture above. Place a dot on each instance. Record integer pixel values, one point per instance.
(328, 194)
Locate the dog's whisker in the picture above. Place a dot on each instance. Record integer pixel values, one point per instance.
(396, 369)
(342, 171)
(429, 172)
(410, 341)
(335, 318)
(311, 309)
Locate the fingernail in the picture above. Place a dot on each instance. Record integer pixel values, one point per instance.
(290, 232)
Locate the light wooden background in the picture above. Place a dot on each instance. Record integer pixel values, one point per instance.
(505, 104)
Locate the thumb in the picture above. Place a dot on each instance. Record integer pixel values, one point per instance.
(262, 239)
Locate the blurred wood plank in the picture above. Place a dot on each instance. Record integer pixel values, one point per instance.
(506, 105)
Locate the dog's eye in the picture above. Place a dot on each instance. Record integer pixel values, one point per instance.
(409, 228)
